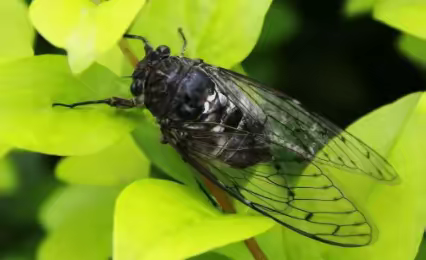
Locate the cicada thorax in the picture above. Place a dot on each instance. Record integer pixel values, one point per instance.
(185, 100)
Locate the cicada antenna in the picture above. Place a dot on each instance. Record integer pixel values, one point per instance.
(147, 45)
(180, 31)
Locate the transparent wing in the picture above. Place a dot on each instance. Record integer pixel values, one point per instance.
(290, 124)
(293, 186)
(295, 192)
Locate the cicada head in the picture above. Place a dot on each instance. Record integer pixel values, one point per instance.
(146, 67)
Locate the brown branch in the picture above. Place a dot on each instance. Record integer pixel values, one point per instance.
(125, 48)
(221, 197)
(226, 204)
(255, 249)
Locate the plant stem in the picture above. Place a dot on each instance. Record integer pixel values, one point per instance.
(124, 46)
(227, 206)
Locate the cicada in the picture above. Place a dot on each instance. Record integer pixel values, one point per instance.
(260, 146)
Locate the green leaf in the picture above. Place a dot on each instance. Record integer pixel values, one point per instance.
(413, 48)
(235, 251)
(239, 69)
(272, 243)
(281, 24)
(8, 177)
(422, 251)
(4, 149)
(148, 136)
(113, 59)
(84, 29)
(79, 222)
(220, 32)
(118, 164)
(210, 256)
(358, 7)
(408, 16)
(156, 219)
(16, 31)
(29, 121)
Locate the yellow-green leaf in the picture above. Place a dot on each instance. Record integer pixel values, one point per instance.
(406, 15)
(79, 223)
(156, 219)
(118, 164)
(221, 32)
(16, 31)
(30, 122)
(84, 29)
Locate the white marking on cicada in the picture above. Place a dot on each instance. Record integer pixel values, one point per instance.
(211, 97)
(230, 107)
(218, 129)
(295, 101)
(206, 107)
(163, 74)
(223, 100)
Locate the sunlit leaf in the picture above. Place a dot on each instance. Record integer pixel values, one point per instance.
(84, 29)
(234, 251)
(114, 60)
(211, 256)
(156, 219)
(272, 243)
(16, 31)
(405, 15)
(29, 121)
(213, 31)
(118, 164)
(79, 223)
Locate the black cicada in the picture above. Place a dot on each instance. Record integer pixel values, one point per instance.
(260, 146)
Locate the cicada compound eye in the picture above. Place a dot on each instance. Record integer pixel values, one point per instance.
(163, 51)
(137, 87)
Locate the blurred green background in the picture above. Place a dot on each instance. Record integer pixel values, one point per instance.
(342, 67)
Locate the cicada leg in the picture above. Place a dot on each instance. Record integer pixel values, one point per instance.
(113, 102)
